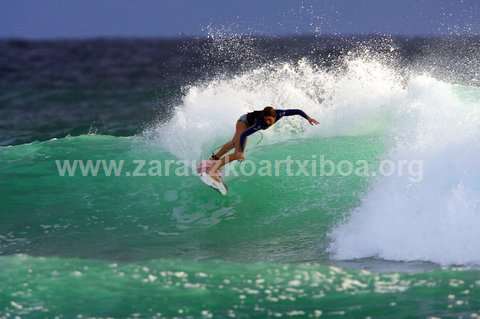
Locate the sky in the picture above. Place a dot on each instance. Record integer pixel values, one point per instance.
(40, 19)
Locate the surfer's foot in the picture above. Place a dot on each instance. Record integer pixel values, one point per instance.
(215, 176)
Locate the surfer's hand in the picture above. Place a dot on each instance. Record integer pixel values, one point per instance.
(312, 121)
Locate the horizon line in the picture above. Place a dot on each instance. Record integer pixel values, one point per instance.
(256, 35)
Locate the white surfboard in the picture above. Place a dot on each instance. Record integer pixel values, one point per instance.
(218, 186)
(202, 170)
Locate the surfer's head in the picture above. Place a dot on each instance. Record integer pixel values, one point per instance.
(269, 115)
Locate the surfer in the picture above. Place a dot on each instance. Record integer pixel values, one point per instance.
(246, 125)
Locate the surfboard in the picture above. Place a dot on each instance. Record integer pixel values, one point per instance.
(202, 170)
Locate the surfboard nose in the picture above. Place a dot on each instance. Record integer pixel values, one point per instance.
(209, 181)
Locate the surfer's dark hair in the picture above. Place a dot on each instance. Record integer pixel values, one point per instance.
(269, 111)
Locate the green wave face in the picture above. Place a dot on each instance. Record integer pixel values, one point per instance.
(275, 218)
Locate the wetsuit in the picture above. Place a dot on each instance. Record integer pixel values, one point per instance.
(255, 122)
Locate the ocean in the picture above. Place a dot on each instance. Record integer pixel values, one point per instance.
(145, 242)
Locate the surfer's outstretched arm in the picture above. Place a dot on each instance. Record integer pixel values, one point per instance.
(292, 112)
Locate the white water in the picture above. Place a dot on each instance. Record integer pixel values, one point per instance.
(438, 218)
(354, 102)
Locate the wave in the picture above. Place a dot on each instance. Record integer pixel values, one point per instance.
(421, 119)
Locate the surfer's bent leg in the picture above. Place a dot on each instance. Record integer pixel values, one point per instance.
(240, 127)
(225, 149)
(237, 155)
(223, 161)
